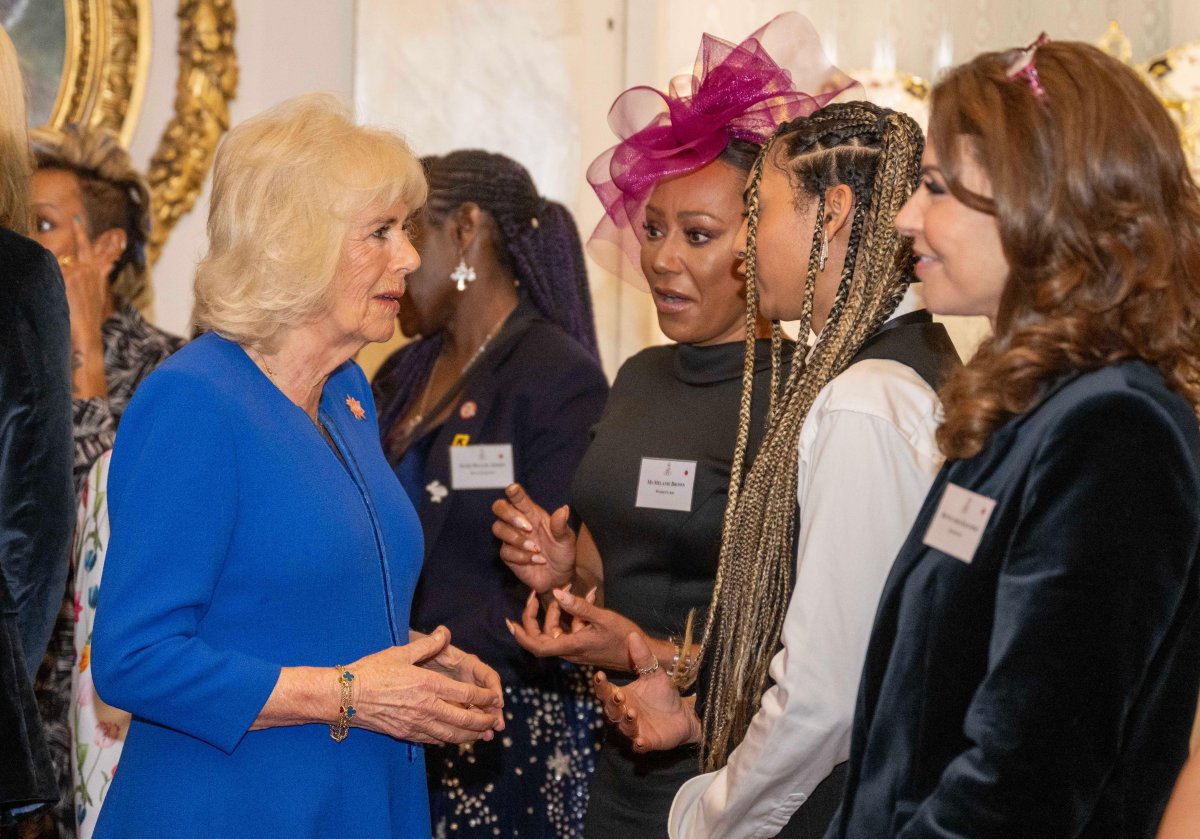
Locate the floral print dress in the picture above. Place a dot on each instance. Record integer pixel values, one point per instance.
(98, 730)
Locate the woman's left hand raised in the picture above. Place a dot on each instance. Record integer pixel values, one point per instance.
(88, 300)
(596, 637)
(649, 711)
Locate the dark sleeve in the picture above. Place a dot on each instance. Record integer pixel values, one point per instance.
(560, 405)
(36, 494)
(1099, 561)
(569, 398)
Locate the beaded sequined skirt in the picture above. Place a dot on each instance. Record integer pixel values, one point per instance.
(532, 781)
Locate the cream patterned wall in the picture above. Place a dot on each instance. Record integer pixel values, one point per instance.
(535, 78)
(528, 78)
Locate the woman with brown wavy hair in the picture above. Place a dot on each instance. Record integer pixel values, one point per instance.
(1035, 658)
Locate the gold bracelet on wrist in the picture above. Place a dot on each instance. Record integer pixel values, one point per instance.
(339, 729)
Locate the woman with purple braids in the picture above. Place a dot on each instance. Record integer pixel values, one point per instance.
(502, 385)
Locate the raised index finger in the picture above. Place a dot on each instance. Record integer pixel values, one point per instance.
(83, 245)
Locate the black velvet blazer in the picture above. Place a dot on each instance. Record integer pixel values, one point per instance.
(1047, 687)
(37, 501)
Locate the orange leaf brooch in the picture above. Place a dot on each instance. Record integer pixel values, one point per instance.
(355, 407)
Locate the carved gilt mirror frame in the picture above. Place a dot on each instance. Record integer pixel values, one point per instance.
(104, 77)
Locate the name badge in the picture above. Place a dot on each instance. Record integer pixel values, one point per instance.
(666, 484)
(481, 466)
(959, 522)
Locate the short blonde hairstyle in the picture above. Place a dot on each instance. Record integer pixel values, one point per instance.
(114, 195)
(286, 184)
(15, 161)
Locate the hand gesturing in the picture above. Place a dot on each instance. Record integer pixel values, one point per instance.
(537, 546)
(649, 711)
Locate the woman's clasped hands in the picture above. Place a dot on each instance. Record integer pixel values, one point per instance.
(427, 691)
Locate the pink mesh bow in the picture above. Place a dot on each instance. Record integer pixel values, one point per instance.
(1023, 67)
(741, 90)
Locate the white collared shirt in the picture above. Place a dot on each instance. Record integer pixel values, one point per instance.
(867, 458)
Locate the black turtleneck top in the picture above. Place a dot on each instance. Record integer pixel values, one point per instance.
(676, 402)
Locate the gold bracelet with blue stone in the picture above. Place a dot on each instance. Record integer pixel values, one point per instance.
(346, 712)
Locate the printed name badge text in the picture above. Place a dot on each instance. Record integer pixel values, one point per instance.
(481, 466)
(666, 484)
(959, 522)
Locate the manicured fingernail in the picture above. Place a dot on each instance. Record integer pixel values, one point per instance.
(512, 630)
(537, 559)
(591, 595)
(523, 524)
(561, 596)
(529, 545)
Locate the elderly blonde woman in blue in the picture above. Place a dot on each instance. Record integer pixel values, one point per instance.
(263, 557)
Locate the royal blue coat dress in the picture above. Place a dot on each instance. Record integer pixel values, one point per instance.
(241, 543)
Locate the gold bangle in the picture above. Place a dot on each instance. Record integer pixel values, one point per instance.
(338, 730)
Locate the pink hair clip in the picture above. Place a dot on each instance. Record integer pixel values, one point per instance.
(1024, 68)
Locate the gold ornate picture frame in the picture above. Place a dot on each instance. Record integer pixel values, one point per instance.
(208, 78)
(105, 67)
(106, 64)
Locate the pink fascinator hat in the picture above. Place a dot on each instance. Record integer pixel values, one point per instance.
(743, 91)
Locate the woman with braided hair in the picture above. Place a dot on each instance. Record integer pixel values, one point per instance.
(502, 384)
(851, 430)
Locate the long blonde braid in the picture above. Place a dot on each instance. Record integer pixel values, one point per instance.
(877, 153)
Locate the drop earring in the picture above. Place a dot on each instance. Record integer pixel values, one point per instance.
(462, 274)
(823, 256)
